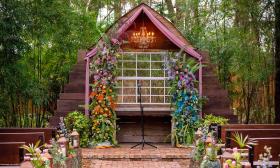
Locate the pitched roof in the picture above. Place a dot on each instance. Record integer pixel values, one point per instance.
(165, 26)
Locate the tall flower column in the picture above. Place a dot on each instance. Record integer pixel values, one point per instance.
(102, 96)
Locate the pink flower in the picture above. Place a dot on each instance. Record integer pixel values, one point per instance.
(181, 77)
(233, 163)
(235, 150)
(226, 165)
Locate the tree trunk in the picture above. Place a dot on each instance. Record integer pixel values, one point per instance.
(277, 61)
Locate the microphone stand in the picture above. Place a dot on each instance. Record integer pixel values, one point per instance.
(143, 142)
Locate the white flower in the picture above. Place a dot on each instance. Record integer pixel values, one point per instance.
(37, 150)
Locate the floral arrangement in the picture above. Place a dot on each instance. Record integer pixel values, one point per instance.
(265, 157)
(236, 162)
(58, 157)
(210, 159)
(103, 97)
(185, 99)
(37, 160)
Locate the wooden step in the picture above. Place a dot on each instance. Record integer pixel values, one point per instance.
(217, 111)
(211, 87)
(72, 96)
(69, 105)
(77, 76)
(215, 93)
(79, 68)
(74, 87)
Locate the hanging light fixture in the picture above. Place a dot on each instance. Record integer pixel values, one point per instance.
(143, 38)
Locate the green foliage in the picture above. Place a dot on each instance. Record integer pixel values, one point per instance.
(199, 150)
(58, 157)
(38, 45)
(211, 119)
(243, 141)
(80, 122)
(36, 158)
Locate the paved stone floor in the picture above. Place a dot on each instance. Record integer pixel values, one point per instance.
(123, 157)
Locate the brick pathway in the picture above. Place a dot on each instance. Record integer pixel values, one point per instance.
(123, 157)
(132, 164)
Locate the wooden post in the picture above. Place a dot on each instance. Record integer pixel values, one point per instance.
(87, 88)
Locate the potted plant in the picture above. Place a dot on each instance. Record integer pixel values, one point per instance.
(210, 159)
(243, 142)
(37, 159)
(81, 123)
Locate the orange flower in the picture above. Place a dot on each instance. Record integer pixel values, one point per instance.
(100, 97)
(92, 94)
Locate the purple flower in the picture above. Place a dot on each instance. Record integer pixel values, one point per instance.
(96, 77)
(115, 41)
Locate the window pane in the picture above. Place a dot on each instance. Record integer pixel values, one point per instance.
(145, 91)
(129, 57)
(143, 57)
(143, 73)
(167, 99)
(157, 65)
(129, 73)
(157, 99)
(129, 91)
(156, 57)
(129, 65)
(157, 83)
(145, 83)
(157, 91)
(157, 73)
(167, 90)
(119, 91)
(119, 99)
(145, 99)
(129, 99)
(143, 65)
(129, 83)
(119, 83)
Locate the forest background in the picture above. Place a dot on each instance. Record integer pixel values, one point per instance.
(39, 41)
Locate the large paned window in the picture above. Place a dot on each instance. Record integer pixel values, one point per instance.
(146, 69)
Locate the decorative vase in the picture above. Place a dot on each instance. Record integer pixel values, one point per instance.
(210, 164)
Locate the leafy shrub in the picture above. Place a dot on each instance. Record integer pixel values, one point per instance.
(210, 119)
(80, 122)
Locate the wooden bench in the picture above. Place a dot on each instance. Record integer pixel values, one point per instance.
(48, 132)
(25, 138)
(273, 142)
(246, 126)
(252, 133)
(11, 153)
(28, 138)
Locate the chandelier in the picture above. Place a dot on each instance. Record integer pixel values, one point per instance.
(143, 39)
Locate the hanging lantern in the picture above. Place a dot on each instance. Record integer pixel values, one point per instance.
(75, 139)
(64, 144)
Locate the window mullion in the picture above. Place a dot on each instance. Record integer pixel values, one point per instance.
(150, 77)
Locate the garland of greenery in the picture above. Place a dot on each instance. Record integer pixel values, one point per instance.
(103, 94)
(185, 100)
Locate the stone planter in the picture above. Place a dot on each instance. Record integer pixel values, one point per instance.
(210, 164)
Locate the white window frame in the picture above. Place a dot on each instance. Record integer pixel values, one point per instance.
(122, 78)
